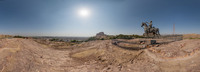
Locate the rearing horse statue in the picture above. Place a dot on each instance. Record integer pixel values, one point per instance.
(148, 30)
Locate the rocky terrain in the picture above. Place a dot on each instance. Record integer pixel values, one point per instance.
(28, 55)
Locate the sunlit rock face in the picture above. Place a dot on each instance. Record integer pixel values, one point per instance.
(101, 35)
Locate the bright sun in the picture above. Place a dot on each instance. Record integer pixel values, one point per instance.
(84, 12)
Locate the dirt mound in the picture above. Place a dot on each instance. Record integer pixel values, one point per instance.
(26, 55)
(179, 49)
(109, 57)
(22, 55)
(167, 57)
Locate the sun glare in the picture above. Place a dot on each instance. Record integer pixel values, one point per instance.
(84, 12)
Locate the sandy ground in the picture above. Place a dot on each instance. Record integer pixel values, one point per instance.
(26, 55)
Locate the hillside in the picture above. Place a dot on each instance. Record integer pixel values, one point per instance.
(26, 55)
(191, 36)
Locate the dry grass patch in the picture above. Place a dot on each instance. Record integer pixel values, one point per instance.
(191, 36)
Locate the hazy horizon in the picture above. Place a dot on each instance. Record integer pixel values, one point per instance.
(85, 18)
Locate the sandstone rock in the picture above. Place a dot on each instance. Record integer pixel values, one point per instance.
(101, 35)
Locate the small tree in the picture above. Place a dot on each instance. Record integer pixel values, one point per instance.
(74, 41)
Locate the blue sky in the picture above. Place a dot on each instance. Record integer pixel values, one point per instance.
(61, 18)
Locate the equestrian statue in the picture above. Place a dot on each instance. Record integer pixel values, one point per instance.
(149, 30)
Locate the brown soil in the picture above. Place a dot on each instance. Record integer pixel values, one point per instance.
(26, 55)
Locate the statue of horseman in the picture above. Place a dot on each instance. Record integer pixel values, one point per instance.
(149, 30)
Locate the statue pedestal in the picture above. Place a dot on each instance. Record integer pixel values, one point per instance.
(148, 35)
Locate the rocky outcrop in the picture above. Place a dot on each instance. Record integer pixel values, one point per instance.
(101, 35)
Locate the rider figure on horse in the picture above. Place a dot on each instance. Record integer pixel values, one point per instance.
(150, 26)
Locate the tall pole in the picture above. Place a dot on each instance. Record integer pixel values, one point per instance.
(173, 29)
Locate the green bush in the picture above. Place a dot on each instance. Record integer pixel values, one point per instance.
(91, 39)
(194, 38)
(55, 39)
(138, 36)
(73, 41)
(120, 36)
(102, 39)
(19, 36)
